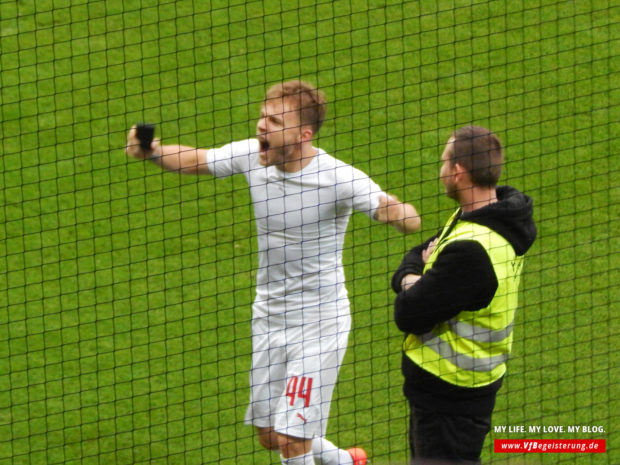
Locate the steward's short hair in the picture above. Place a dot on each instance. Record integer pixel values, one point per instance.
(480, 152)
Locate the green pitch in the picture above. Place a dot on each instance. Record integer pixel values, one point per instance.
(125, 292)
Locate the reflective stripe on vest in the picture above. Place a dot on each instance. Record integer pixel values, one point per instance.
(477, 333)
(463, 361)
(471, 349)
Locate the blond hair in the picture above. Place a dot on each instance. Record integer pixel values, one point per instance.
(309, 101)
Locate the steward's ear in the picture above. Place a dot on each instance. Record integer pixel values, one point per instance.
(460, 172)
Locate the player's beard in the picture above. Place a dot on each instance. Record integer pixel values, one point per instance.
(274, 156)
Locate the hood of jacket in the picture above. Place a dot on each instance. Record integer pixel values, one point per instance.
(510, 216)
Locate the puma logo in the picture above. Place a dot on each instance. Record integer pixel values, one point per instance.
(302, 417)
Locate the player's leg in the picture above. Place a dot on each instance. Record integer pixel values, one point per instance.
(267, 438)
(327, 453)
(267, 382)
(334, 342)
(295, 451)
(267, 378)
(315, 354)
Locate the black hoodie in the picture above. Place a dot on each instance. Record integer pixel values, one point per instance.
(461, 279)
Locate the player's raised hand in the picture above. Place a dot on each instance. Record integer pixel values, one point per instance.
(140, 143)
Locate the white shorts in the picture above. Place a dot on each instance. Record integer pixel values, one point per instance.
(294, 372)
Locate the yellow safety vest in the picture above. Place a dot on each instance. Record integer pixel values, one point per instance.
(471, 349)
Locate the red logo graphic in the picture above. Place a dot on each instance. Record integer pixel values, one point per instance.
(550, 445)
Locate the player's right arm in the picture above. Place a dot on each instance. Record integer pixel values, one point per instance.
(178, 158)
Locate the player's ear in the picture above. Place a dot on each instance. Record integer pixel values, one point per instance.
(305, 134)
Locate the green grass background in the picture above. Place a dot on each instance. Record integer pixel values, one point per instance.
(125, 292)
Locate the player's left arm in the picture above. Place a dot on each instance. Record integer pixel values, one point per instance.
(402, 216)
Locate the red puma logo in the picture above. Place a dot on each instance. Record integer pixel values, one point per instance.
(302, 417)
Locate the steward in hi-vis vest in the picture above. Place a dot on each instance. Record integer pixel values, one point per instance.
(471, 349)
(459, 317)
(457, 297)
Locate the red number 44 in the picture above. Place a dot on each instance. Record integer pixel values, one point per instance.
(300, 388)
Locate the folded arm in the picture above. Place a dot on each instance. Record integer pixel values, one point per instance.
(462, 279)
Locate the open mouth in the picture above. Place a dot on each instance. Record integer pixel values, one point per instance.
(264, 145)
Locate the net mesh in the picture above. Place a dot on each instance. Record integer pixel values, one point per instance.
(126, 290)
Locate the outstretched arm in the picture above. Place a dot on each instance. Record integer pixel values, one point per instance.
(403, 216)
(178, 158)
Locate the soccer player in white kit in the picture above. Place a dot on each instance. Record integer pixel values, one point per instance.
(302, 199)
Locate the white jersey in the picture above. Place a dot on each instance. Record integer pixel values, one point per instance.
(301, 219)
